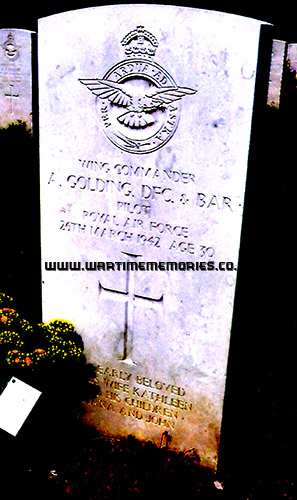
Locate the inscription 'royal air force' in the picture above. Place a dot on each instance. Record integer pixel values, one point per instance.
(138, 100)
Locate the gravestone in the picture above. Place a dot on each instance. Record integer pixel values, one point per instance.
(276, 73)
(292, 56)
(15, 76)
(145, 119)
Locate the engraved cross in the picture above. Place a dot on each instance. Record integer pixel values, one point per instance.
(130, 299)
(11, 96)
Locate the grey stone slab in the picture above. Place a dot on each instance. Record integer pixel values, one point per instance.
(276, 73)
(145, 119)
(292, 56)
(15, 76)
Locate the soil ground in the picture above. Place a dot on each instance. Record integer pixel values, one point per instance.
(71, 460)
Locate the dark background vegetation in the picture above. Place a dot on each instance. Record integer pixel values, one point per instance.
(259, 437)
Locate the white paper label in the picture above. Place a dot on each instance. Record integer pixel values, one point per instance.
(16, 403)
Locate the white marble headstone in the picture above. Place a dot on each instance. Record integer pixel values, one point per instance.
(15, 76)
(145, 119)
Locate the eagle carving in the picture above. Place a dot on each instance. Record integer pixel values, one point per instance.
(139, 106)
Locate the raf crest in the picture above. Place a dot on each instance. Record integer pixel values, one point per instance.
(10, 48)
(137, 99)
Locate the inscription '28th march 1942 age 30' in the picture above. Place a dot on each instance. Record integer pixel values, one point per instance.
(145, 90)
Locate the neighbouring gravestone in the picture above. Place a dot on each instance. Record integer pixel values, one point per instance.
(15, 76)
(292, 56)
(276, 73)
(145, 119)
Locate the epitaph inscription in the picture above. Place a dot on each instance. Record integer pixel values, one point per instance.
(141, 398)
(140, 250)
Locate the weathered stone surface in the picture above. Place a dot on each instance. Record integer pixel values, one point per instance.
(276, 73)
(145, 117)
(15, 76)
(292, 56)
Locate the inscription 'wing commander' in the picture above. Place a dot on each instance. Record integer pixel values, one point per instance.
(138, 105)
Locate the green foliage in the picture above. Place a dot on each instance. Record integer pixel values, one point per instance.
(18, 128)
(10, 339)
(44, 354)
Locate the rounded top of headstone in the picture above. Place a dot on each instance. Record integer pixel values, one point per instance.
(17, 29)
